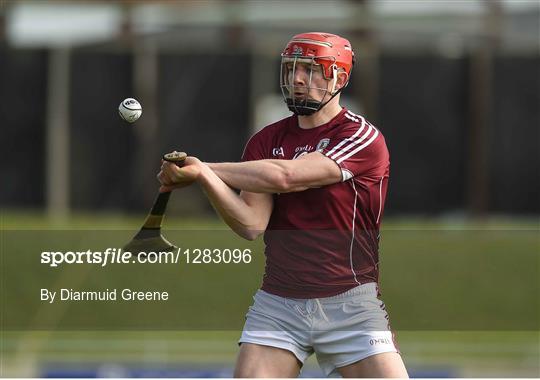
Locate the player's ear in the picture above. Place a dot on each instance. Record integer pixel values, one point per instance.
(342, 79)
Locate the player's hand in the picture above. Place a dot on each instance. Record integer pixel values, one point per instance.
(173, 177)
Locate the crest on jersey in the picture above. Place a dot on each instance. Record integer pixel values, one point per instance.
(322, 144)
(297, 50)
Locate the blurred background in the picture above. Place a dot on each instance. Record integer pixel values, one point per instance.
(453, 85)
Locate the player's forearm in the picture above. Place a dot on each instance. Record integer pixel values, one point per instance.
(261, 176)
(234, 211)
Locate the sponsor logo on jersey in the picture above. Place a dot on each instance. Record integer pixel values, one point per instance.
(304, 148)
(299, 154)
(299, 151)
(322, 144)
(278, 152)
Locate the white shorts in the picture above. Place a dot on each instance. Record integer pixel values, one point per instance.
(341, 330)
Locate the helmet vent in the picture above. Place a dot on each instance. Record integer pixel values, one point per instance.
(314, 42)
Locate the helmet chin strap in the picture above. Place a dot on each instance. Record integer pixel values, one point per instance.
(305, 109)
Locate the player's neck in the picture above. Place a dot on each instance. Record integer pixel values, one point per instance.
(323, 116)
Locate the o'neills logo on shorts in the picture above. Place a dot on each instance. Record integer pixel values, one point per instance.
(375, 342)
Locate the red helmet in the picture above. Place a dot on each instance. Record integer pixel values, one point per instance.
(327, 49)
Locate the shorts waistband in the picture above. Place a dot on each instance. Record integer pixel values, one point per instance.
(370, 288)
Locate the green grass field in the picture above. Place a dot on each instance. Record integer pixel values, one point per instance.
(461, 295)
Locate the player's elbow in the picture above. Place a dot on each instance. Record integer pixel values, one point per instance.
(249, 234)
(283, 181)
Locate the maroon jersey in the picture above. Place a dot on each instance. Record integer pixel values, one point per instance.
(324, 241)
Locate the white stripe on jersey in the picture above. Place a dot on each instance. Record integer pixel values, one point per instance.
(380, 201)
(348, 139)
(357, 118)
(353, 143)
(352, 233)
(352, 140)
(360, 147)
(353, 117)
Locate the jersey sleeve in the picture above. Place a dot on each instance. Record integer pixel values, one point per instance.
(359, 149)
(255, 148)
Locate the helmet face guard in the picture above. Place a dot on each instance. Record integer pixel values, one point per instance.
(298, 97)
(314, 52)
